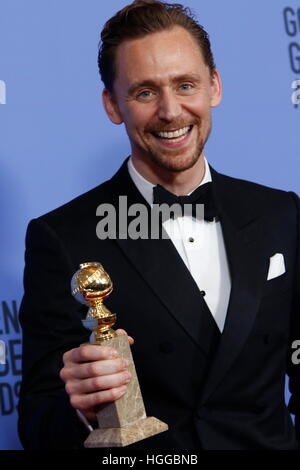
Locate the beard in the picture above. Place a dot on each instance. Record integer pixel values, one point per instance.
(177, 160)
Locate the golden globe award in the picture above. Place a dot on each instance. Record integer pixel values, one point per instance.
(123, 421)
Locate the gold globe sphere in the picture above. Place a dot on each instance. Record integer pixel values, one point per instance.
(91, 282)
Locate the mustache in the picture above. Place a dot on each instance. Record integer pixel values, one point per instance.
(176, 124)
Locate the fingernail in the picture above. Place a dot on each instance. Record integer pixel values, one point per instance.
(123, 389)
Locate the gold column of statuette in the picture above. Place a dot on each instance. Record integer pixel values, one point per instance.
(123, 421)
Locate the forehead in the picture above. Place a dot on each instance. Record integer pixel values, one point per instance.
(159, 56)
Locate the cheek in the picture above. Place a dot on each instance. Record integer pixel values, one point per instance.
(201, 110)
(136, 118)
(141, 114)
(199, 105)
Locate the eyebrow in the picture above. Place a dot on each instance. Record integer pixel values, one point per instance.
(152, 83)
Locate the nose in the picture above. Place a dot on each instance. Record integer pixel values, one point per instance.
(169, 106)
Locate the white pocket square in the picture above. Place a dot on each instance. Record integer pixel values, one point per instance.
(276, 267)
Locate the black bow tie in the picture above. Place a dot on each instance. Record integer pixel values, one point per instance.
(202, 195)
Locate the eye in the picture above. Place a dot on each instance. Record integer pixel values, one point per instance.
(145, 95)
(186, 87)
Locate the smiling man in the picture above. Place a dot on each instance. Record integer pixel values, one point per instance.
(164, 96)
(215, 315)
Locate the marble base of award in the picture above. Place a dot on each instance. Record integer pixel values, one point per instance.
(124, 421)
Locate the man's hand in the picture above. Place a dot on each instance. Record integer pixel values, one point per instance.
(94, 375)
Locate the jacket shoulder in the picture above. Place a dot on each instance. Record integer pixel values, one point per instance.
(257, 191)
(252, 186)
(246, 199)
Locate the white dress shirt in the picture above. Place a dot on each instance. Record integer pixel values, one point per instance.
(201, 246)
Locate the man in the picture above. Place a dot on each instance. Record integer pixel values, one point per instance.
(213, 315)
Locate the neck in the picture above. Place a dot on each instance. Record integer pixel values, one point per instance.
(177, 182)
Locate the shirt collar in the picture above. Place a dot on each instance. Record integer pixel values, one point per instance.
(146, 188)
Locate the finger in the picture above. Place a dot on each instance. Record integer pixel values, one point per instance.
(96, 384)
(121, 332)
(86, 402)
(67, 357)
(97, 368)
(92, 352)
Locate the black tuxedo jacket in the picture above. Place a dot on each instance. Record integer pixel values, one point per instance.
(215, 391)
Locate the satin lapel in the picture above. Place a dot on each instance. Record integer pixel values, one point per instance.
(244, 241)
(160, 265)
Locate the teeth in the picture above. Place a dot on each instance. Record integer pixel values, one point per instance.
(173, 135)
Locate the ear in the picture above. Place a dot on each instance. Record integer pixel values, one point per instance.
(111, 107)
(216, 84)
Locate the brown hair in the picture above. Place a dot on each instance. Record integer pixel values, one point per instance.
(144, 17)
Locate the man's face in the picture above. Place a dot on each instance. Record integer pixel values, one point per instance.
(164, 92)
